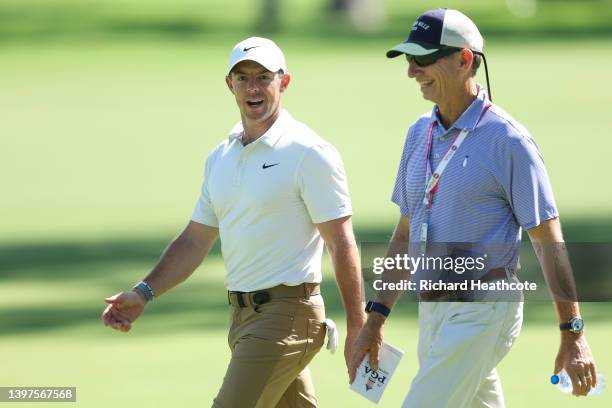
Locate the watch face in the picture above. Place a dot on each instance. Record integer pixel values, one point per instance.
(577, 325)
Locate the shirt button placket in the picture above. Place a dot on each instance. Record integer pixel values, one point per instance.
(240, 169)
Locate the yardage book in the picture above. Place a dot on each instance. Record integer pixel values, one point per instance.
(371, 384)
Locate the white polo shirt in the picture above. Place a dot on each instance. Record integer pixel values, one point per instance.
(265, 198)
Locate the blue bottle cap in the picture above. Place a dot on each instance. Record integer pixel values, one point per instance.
(554, 379)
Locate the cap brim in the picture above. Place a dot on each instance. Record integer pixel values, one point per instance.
(412, 49)
(258, 59)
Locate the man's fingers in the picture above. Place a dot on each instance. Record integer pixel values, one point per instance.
(575, 382)
(120, 317)
(117, 298)
(111, 299)
(106, 315)
(558, 366)
(355, 361)
(593, 372)
(585, 383)
(125, 327)
(374, 357)
(113, 318)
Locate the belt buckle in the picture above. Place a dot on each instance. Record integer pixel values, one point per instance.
(260, 298)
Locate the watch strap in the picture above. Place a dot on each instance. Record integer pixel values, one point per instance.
(377, 307)
(146, 290)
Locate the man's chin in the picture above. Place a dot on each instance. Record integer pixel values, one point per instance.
(429, 97)
(255, 114)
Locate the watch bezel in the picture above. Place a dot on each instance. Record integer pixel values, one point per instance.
(576, 325)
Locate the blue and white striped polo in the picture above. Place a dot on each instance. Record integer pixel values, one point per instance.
(495, 184)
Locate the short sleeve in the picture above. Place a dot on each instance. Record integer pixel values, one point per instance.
(323, 185)
(528, 187)
(203, 212)
(400, 195)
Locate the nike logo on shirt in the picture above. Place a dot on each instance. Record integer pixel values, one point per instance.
(266, 166)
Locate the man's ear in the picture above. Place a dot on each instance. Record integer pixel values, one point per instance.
(285, 81)
(467, 56)
(228, 81)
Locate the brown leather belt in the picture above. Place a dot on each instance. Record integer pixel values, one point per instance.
(259, 297)
(492, 275)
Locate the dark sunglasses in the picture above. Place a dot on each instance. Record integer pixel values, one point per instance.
(425, 60)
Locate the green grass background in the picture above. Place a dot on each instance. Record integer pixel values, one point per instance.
(108, 110)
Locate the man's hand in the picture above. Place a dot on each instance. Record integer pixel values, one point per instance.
(352, 333)
(369, 340)
(575, 356)
(123, 308)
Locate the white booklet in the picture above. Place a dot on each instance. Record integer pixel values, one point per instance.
(371, 384)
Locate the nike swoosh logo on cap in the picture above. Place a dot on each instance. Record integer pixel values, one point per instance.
(265, 166)
(245, 49)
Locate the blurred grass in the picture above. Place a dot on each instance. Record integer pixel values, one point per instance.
(45, 20)
(110, 140)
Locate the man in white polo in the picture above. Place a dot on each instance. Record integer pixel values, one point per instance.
(274, 192)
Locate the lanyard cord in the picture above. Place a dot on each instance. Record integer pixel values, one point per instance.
(434, 179)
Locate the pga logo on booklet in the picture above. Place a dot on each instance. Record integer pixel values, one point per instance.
(371, 383)
(375, 378)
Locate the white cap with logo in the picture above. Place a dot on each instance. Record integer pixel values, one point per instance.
(260, 50)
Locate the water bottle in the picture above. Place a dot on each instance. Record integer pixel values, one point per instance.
(564, 383)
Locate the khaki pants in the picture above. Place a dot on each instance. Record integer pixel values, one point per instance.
(271, 346)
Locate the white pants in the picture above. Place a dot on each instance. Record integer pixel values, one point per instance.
(460, 344)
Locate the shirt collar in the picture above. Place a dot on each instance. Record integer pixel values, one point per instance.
(470, 117)
(271, 136)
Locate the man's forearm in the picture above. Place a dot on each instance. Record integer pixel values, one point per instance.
(548, 244)
(398, 245)
(554, 260)
(178, 261)
(386, 296)
(347, 269)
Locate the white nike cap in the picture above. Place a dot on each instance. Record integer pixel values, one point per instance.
(260, 50)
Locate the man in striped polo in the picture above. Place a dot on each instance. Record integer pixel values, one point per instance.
(470, 176)
(274, 192)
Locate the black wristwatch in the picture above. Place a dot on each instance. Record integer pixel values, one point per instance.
(574, 325)
(377, 307)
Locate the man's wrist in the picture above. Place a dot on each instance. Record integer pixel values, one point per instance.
(141, 295)
(356, 319)
(376, 319)
(145, 290)
(380, 308)
(569, 337)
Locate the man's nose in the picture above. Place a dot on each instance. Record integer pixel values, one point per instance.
(252, 84)
(412, 68)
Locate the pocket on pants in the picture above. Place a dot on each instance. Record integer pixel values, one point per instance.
(273, 327)
(511, 329)
(314, 340)
(316, 334)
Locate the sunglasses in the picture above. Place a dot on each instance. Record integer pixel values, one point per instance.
(429, 59)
